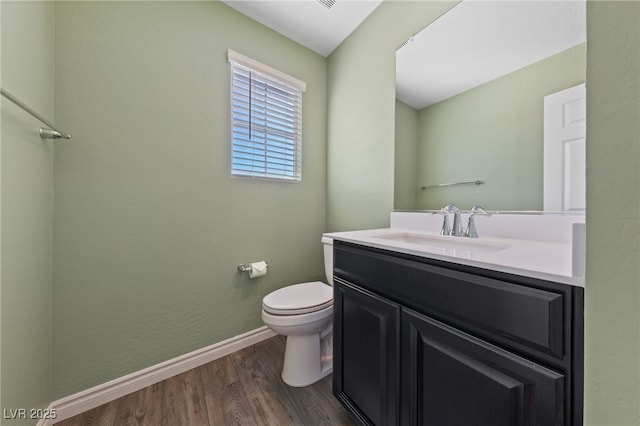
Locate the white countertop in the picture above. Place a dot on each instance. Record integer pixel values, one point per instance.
(547, 260)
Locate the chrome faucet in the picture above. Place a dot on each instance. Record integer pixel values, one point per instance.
(456, 230)
(471, 231)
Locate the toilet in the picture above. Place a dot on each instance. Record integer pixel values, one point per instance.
(304, 313)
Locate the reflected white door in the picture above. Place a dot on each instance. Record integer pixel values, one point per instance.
(565, 131)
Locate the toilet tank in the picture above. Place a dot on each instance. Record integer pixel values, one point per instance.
(327, 245)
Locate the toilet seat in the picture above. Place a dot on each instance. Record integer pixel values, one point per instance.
(299, 299)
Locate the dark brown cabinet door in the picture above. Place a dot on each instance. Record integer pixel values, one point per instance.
(366, 348)
(450, 378)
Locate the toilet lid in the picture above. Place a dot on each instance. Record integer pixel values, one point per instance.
(299, 299)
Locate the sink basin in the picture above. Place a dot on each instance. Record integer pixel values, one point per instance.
(441, 242)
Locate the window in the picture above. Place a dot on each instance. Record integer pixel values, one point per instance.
(266, 121)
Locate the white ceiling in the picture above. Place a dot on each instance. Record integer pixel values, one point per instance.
(308, 22)
(478, 41)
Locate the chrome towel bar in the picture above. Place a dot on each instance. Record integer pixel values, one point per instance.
(51, 132)
(476, 182)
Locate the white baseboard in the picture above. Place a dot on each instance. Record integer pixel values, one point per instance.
(93, 397)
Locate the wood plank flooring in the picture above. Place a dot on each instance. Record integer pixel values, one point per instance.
(243, 389)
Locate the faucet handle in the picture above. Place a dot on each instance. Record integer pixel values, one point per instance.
(471, 231)
(450, 208)
(477, 210)
(446, 229)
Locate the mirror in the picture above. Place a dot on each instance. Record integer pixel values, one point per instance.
(470, 91)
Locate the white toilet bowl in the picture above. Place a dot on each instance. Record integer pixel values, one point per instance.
(304, 313)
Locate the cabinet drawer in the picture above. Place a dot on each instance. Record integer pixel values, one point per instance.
(502, 311)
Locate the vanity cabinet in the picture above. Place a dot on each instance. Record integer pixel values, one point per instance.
(419, 341)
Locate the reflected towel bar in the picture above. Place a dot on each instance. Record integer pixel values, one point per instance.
(475, 182)
(51, 132)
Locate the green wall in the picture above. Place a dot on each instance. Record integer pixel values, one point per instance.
(405, 166)
(149, 225)
(27, 207)
(494, 133)
(612, 311)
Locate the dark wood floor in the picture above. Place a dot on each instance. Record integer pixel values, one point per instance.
(243, 388)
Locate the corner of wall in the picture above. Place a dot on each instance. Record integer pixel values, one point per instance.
(26, 169)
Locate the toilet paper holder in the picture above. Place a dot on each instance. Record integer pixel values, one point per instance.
(245, 268)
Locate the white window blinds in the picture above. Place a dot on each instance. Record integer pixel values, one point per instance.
(266, 121)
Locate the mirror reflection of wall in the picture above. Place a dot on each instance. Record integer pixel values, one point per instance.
(491, 129)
